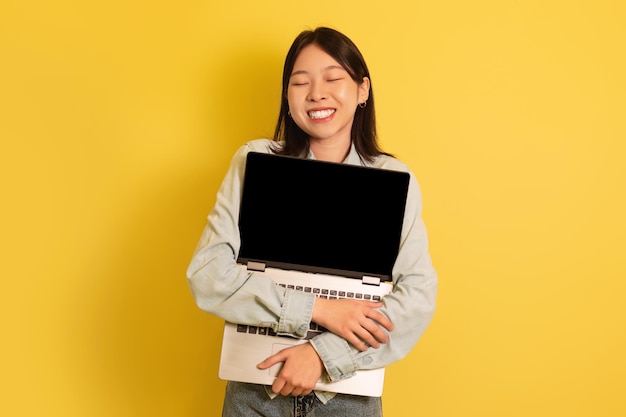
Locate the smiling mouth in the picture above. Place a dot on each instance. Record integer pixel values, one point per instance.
(321, 114)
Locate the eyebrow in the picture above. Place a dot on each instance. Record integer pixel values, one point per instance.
(328, 68)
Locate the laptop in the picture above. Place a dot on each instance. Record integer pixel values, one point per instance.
(321, 227)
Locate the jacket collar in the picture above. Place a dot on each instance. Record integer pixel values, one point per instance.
(352, 158)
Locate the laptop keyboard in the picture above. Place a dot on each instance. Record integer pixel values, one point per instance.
(314, 329)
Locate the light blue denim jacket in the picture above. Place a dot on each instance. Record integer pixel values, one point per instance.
(222, 288)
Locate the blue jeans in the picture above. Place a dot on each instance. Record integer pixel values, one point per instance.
(248, 400)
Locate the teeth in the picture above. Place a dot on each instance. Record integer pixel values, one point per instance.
(320, 114)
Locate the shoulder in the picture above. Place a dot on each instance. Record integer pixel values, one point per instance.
(390, 162)
(256, 145)
(261, 145)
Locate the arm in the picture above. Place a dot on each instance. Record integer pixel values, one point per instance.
(221, 287)
(302, 368)
(356, 321)
(410, 306)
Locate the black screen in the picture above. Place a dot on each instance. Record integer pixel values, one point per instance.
(317, 216)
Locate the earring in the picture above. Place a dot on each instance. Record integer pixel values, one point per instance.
(363, 105)
(289, 113)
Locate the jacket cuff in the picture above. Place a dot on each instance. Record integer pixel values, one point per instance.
(336, 355)
(296, 313)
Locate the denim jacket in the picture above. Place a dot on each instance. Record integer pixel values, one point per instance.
(222, 288)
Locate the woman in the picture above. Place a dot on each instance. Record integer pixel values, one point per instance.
(327, 113)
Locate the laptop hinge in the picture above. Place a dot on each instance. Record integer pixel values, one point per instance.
(371, 280)
(255, 266)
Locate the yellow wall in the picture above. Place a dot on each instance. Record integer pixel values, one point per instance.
(118, 119)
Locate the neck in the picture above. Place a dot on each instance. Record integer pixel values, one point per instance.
(330, 151)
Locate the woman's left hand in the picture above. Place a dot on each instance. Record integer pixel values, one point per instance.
(302, 368)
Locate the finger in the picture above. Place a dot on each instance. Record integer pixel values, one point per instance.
(278, 385)
(271, 361)
(359, 341)
(381, 319)
(375, 334)
(301, 392)
(367, 334)
(374, 304)
(287, 390)
(369, 305)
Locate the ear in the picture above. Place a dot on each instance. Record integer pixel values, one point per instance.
(364, 90)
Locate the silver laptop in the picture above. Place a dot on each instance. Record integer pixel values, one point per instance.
(325, 228)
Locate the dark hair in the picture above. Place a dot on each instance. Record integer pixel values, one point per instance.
(346, 53)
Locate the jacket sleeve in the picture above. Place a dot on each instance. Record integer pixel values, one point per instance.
(410, 306)
(225, 289)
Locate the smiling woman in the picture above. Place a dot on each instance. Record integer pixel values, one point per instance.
(326, 79)
(323, 99)
(327, 113)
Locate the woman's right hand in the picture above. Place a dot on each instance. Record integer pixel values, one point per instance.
(358, 322)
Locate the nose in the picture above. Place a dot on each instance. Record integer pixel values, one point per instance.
(317, 92)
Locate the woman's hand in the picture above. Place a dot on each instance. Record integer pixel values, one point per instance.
(301, 370)
(356, 321)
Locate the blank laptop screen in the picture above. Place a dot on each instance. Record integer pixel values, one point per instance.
(319, 216)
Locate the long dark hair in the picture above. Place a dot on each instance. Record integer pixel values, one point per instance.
(346, 53)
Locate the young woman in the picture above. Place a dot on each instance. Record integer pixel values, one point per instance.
(327, 113)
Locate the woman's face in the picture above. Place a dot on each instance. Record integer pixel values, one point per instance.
(323, 97)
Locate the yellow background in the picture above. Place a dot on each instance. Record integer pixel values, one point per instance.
(117, 122)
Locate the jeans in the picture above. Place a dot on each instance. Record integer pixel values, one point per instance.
(248, 400)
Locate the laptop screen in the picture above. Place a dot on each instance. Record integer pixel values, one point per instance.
(323, 217)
